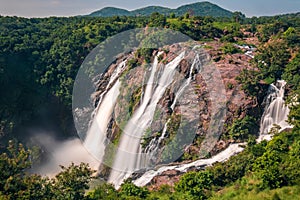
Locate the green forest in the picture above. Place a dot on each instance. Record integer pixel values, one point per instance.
(39, 60)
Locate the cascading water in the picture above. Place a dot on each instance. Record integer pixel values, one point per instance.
(276, 111)
(96, 136)
(221, 157)
(129, 156)
(163, 79)
(155, 143)
(116, 73)
(196, 64)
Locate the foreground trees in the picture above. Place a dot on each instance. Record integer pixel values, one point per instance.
(16, 183)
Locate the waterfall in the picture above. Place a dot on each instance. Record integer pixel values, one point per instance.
(96, 135)
(196, 63)
(154, 144)
(129, 156)
(276, 112)
(116, 73)
(221, 157)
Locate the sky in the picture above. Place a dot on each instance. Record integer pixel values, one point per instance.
(46, 8)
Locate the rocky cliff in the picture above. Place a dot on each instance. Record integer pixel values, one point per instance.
(130, 69)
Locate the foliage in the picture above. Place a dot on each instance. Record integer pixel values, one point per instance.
(16, 183)
(271, 29)
(40, 57)
(294, 116)
(293, 162)
(157, 20)
(13, 162)
(195, 184)
(291, 72)
(128, 189)
(104, 192)
(242, 128)
(230, 49)
(292, 36)
(291, 75)
(234, 169)
(249, 79)
(145, 53)
(273, 59)
(72, 182)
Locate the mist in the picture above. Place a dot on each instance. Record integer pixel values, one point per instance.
(56, 152)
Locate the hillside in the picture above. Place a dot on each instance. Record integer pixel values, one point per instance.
(150, 9)
(197, 9)
(110, 11)
(203, 9)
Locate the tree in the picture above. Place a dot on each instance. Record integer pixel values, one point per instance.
(291, 72)
(292, 36)
(242, 128)
(15, 183)
(172, 15)
(72, 182)
(12, 165)
(249, 79)
(268, 169)
(157, 20)
(294, 116)
(187, 15)
(238, 17)
(195, 184)
(272, 59)
(104, 192)
(269, 166)
(292, 172)
(128, 189)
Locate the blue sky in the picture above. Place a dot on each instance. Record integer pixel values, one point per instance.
(44, 8)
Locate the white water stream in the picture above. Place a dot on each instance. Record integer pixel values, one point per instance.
(129, 156)
(276, 111)
(221, 157)
(96, 136)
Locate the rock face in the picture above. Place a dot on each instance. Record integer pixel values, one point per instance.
(169, 177)
(166, 116)
(238, 105)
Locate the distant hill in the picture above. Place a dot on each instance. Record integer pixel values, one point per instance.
(203, 9)
(110, 11)
(197, 9)
(151, 9)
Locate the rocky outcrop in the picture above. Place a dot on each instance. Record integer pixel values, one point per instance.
(132, 79)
